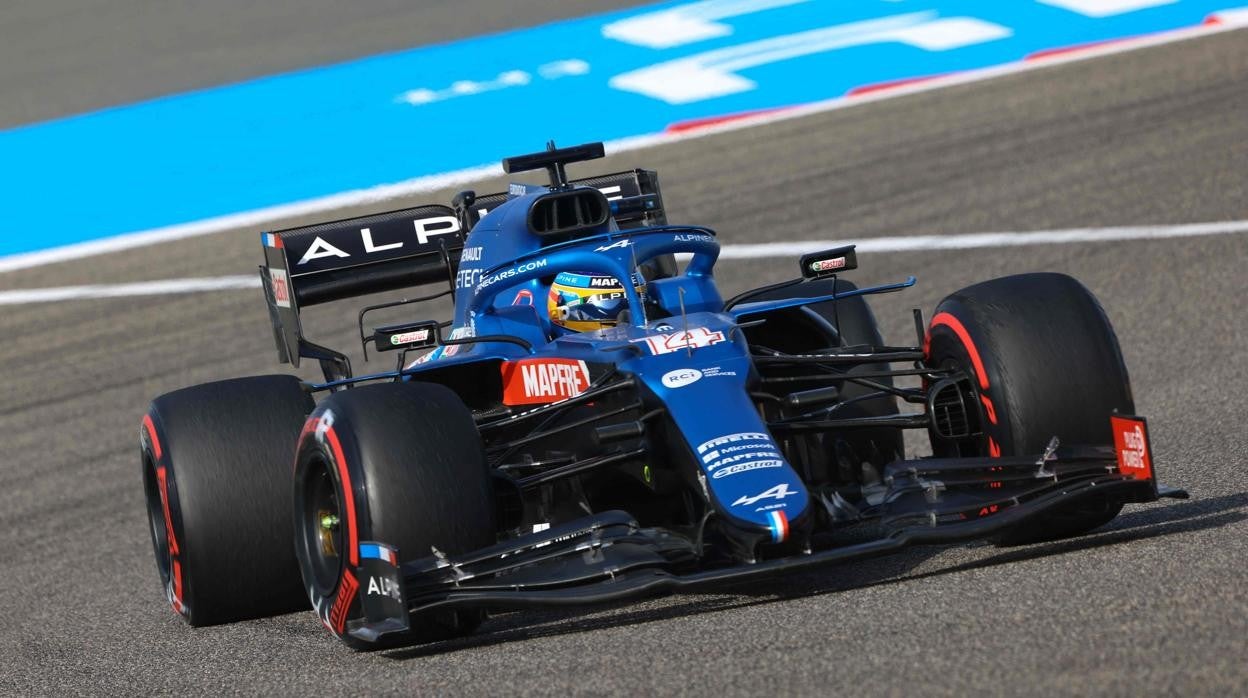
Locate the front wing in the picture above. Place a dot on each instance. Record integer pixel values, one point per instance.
(609, 556)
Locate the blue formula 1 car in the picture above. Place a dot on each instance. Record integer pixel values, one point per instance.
(597, 423)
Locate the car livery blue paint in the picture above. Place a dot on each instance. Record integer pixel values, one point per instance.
(744, 472)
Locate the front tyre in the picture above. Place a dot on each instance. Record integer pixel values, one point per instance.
(399, 463)
(1043, 361)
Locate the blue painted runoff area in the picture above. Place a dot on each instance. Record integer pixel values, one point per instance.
(434, 109)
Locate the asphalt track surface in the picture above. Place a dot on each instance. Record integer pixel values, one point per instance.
(1155, 603)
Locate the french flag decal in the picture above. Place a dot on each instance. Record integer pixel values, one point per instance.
(779, 526)
(271, 240)
(379, 552)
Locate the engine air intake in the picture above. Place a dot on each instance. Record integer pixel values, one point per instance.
(565, 213)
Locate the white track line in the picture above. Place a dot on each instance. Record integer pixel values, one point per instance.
(142, 288)
(256, 219)
(925, 243)
(262, 217)
(770, 250)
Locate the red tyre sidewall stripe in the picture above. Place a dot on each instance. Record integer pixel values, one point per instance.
(162, 477)
(334, 616)
(347, 589)
(988, 408)
(175, 551)
(177, 585)
(959, 330)
(151, 434)
(348, 495)
(309, 427)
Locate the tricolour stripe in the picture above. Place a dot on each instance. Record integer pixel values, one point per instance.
(779, 526)
(378, 552)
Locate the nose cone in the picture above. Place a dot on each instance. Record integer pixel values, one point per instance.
(748, 481)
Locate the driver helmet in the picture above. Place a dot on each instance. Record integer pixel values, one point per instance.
(587, 302)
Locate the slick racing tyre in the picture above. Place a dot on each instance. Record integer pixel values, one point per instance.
(217, 464)
(1043, 361)
(400, 464)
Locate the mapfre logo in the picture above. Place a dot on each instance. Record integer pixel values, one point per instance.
(539, 381)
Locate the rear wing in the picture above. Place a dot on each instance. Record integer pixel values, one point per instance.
(397, 249)
(352, 257)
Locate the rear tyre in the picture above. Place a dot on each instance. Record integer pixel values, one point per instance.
(398, 463)
(1043, 361)
(216, 474)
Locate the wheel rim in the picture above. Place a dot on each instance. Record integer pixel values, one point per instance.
(321, 526)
